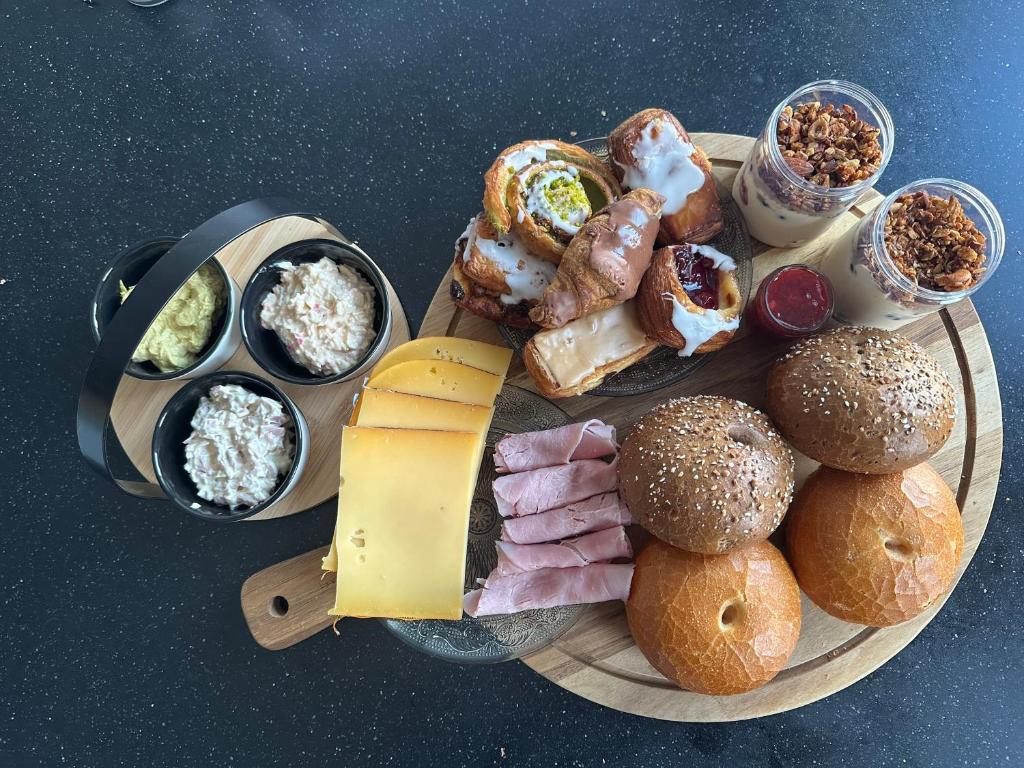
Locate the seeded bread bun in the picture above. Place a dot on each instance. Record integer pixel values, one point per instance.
(706, 474)
(875, 549)
(715, 624)
(862, 399)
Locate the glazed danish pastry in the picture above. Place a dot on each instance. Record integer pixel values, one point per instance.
(496, 277)
(689, 299)
(652, 149)
(543, 192)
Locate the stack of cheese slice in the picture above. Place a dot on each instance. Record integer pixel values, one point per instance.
(409, 463)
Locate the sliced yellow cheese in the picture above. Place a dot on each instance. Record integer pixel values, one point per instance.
(441, 379)
(476, 354)
(403, 519)
(395, 410)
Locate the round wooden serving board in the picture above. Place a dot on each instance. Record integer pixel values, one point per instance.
(597, 659)
(138, 403)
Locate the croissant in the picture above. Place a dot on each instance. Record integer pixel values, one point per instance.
(543, 191)
(689, 299)
(604, 262)
(652, 149)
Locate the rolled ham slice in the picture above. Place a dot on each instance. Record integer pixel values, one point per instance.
(527, 493)
(548, 588)
(593, 514)
(571, 553)
(551, 447)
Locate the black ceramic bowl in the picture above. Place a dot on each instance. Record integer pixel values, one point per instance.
(174, 426)
(265, 346)
(130, 266)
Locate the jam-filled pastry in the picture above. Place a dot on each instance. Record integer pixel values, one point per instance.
(652, 149)
(495, 277)
(604, 262)
(543, 191)
(689, 299)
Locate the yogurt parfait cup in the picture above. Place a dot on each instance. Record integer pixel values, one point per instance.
(869, 287)
(784, 208)
(128, 268)
(313, 315)
(174, 426)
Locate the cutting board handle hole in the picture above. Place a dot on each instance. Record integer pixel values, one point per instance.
(278, 607)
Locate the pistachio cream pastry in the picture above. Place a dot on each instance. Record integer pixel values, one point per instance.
(543, 192)
(184, 326)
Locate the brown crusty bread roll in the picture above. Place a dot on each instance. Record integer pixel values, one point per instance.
(875, 549)
(706, 474)
(862, 399)
(714, 624)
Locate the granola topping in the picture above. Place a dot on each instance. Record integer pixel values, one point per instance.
(934, 243)
(827, 145)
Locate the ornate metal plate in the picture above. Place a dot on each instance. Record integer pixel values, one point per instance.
(664, 366)
(491, 639)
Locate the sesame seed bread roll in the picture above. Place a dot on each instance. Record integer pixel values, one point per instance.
(862, 400)
(706, 474)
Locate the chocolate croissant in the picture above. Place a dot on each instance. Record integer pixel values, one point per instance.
(689, 299)
(543, 192)
(604, 262)
(653, 150)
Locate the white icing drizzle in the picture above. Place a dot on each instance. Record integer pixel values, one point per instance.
(538, 203)
(526, 275)
(718, 259)
(663, 164)
(523, 157)
(697, 327)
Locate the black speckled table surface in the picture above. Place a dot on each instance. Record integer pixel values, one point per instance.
(123, 639)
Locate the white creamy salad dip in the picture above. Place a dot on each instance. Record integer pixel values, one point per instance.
(323, 313)
(240, 445)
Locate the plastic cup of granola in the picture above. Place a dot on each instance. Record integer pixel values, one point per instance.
(823, 147)
(929, 244)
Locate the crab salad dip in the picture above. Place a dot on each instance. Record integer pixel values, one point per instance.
(241, 444)
(323, 314)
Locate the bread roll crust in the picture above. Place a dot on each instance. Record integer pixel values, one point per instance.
(875, 549)
(706, 474)
(714, 624)
(862, 399)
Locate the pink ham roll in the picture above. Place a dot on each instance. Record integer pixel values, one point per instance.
(527, 493)
(551, 447)
(596, 513)
(593, 514)
(571, 553)
(548, 588)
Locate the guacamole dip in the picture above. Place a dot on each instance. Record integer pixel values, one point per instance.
(183, 327)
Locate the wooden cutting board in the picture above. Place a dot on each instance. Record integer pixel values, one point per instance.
(597, 659)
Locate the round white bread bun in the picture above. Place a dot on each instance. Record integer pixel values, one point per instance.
(862, 399)
(714, 624)
(875, 549)
(706, 474)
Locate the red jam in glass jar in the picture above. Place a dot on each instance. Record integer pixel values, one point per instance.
(793, 301)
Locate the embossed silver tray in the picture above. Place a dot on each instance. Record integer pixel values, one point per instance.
(664, 366)
(492, 639)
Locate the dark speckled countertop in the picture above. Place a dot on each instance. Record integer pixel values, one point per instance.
(124, 643)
